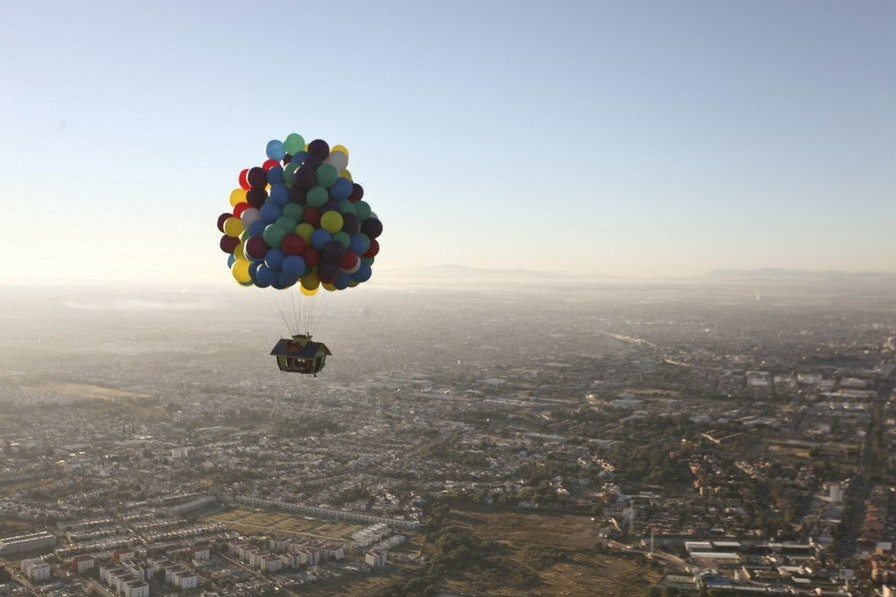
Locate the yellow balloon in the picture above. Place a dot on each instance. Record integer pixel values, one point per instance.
(308, 292)
(240, 271)
(237, 196)
(310, 281)
(346, 175)
(233, 226)
(305, 230)
(339, 148)
(328, 287)
(331, 221)
(239, 252)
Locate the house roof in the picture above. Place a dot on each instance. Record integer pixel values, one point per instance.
(304, 349)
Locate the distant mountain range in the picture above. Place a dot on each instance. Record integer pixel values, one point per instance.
(772, 274)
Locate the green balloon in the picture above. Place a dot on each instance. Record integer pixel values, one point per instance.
(294, 143)
(293, 211)
(326, 175)
(363, 210)
(244, 235)
(287, 223)
(343, 238)
(347, 208)
(273, 235)
(289, 173)
(317, 195)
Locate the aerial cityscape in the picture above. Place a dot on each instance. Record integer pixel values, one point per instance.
(725, 435)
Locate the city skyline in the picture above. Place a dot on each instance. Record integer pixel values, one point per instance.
(597, 139)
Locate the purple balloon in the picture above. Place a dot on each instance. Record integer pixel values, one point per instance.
(256, 248)
(333, 252)
(372, 227)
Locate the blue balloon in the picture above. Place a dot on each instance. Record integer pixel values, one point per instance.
(342, 282)
(278, 195)
(264, 277)
(341, 189)
(284, 280)
(319, 238)
(275, 175)
(294, 266)
(360, 243)
(275, 149)
(253, 269)
(269, 213)
(230, 261)
(363, 274)
(274, 259)
(256, 228)
(299, 157)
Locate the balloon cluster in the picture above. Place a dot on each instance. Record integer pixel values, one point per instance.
(299, 218)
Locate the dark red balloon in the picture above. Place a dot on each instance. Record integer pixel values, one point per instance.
(350, 223)
(333, 252)
(244, 182)
(256, 197)
(327, 272)
(297, 195)
(221, 219)
(374, 248)
(319, 149)
(256, 247)
(257, 177)
(349, 261)
(313, 162)
(304, 178)
(311, 256)
(357, 193)
(293, 244)
(311, 215)
(372, 227)
(229, 244)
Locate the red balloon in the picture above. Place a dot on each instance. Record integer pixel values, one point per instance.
(349, 261)
(239, 208)
(268, 164)
(221, 219)
(244, 179)
(293, 244)
(311, 256)
(255, 247)
(229, 243)
(374, 248)
(312, 216)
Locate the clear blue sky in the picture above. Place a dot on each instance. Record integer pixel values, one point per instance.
(620, 138)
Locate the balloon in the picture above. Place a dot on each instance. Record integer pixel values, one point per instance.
(372, 227)
(332, 252)
(340, 149)
(373, 250)
(256, 197)
(360, 243)
(294, 211)
(327, 272)
(274, 259)
(292, 244)
(310, 281)
(346, 175)
(255, 248)
(305, 230)
(230, 260)
(237, 196)
(342, 281)
(337, 159)
(298, 196)
(239, 208)
(264, 276)
(326, 175)
(305, 178)
(249, 215)
(233, 226)
(313, 162)
(275, 174)
(229, 243)
(223, 218)
(273, 235)
(350, 261)
(240, 251)
(311, 256)
(240, 271)
(341, 189)
(243, 180)
(268, 164)
(319, 149)
(342, 238)
(294, 266)
(357, 193)
(350, 224)
(275, 149)
(317, 196)
(347, 208)
(331, 221)
(257, 178)
(279, 194)
(362, 209)
(270, 212)
(294, 143)
(363, 274)
(312, 216)
(256, 228)
(319, 238)
(286, 223)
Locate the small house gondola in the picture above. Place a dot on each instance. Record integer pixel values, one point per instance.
(300, 355)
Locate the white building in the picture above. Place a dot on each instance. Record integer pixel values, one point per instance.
(375, 559)
(19, 543)
(36, 569)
